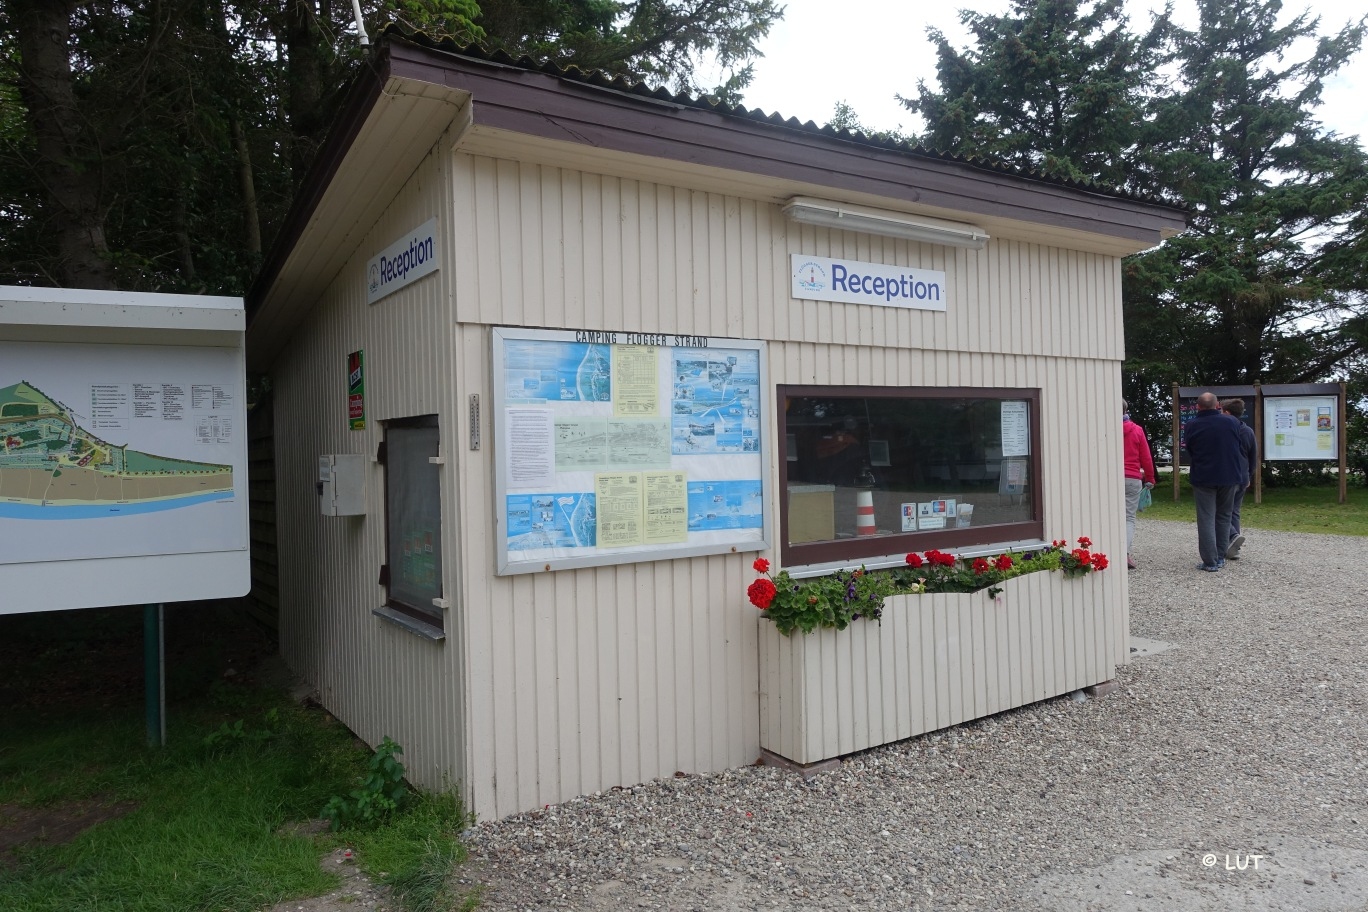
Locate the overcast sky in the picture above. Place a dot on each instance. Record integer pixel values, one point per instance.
(863, 52)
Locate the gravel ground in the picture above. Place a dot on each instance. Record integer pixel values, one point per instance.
(1226, 773)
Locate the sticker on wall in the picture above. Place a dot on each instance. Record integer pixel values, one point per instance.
(356, 391)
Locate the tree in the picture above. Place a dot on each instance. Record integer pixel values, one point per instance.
(157, 144)
(656, 41)
(1267, 284)
(1055, 86)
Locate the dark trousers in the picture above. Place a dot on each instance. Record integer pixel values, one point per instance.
(1235, 511)
(1214, 508)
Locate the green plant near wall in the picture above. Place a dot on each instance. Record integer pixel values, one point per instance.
(835, 600)
(382, 791)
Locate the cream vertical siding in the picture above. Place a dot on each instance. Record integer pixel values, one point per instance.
(557, 684)
(376, 677)
(580, 680)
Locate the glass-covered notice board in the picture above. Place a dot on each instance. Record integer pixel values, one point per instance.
(615, 447)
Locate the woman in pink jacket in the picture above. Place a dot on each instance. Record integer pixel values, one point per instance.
(1139, 472)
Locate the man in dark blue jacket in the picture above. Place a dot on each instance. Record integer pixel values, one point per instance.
(1218, 470)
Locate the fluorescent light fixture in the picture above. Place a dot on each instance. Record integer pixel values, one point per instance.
(807, 211)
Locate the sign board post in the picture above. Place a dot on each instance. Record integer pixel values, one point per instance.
(1306, 421)
(1291, 421)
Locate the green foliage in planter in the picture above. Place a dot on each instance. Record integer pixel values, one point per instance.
(837, 599)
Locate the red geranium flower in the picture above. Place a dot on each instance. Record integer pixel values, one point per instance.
(1082, 556)
(1059, 543)
(914, 560)
(940, 558)
(761, 565)
(761, 593)
(1003, 562)
(1084, 541)
(1099, 561)
(980, 565)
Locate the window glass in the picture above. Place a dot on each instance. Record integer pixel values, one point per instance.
(876, 472)
(413, 515)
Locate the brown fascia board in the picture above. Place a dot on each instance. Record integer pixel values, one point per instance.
(539, 104)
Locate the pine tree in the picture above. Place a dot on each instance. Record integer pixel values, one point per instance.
(1055, 86)
(1263, 286)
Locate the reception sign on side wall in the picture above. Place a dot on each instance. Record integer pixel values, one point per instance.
(404, 262)
(854, 282)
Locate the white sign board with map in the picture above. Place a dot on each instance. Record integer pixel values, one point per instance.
(122, 466)
(616, 447)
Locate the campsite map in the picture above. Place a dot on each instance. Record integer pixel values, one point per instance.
(53, 468)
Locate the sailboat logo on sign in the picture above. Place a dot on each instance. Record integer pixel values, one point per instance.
(812, 277)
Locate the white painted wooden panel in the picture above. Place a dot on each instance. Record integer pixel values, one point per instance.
(563, 249)
(807, 681)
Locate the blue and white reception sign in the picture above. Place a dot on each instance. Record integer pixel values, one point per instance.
(404, 262)
(853, 282)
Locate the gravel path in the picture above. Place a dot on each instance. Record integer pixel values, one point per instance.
(1246, 739)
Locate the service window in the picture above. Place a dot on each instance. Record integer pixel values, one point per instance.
(871, 472)
(413, 519)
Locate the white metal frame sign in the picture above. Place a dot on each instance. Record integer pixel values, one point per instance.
(818, 278)
(1301, 427)
(123, 449)
(615, 447)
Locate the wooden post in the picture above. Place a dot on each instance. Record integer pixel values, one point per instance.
(1258, 443)
(1343, 445)
(1175, 460)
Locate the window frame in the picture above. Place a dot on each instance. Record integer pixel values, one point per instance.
(430, 614)
(854, 549)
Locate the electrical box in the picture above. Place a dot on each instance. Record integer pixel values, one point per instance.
(342, 485)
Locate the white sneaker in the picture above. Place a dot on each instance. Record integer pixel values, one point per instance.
(1233, 549)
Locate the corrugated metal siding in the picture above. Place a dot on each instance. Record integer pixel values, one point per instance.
(377, 678)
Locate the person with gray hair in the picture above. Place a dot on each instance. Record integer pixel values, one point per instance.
(1218, 468)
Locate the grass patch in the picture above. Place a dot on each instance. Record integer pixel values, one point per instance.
(202, 824)
(1284, 509)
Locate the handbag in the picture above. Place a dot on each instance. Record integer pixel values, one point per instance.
(1145, 498)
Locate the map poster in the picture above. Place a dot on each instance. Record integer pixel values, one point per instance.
(616, 447)
(107, 452)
